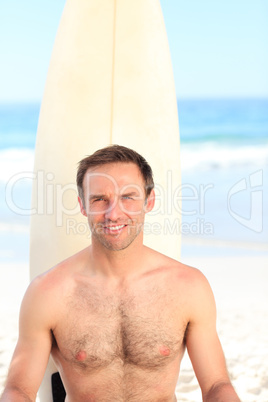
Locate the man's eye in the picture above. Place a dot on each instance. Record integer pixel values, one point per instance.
(98, 199)
(127, 197)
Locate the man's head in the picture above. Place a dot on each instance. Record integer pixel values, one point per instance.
(115, 187)
(114, 154)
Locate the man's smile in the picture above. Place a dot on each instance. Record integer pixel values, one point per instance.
(115, 229)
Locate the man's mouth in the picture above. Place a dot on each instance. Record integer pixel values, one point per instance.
(114, 228)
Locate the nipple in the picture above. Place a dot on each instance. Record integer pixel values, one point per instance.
(81, 356)
(164, 350)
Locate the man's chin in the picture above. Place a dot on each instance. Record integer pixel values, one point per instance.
(114, 243)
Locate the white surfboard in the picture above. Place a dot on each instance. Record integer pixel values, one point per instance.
(110, 81)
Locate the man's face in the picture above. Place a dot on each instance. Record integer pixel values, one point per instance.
(115, 204)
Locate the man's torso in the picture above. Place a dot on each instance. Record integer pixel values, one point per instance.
(121, 343)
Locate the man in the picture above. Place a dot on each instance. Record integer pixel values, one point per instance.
(117, 316)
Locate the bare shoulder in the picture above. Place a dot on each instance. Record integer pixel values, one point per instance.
(58, 277)
(189, 280)
(41, 298)
(199, 295)
(47, 292)
(181, 272)
(193, 276)
(195, 291)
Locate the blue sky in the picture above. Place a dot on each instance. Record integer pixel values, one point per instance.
(218, 48)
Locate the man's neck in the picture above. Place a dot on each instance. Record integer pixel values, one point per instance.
(118, 265)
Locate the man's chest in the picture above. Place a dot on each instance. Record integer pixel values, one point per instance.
(144, 329)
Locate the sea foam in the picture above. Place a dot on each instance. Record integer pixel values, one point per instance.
(14, 161)
(208, 156)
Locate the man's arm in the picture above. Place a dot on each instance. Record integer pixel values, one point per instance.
(204, 347)
(222, 392)
(32, 352)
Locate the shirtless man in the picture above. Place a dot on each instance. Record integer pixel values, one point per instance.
(117, 316)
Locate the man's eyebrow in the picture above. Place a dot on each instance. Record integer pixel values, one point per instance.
(125, 194)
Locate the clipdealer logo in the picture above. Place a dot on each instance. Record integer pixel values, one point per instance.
(60, 201)
(252, 189)
(51, 197)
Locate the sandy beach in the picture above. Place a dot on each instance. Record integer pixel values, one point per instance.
(240, 288)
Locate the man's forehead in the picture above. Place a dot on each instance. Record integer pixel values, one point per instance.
(117, 176)
(126, 170)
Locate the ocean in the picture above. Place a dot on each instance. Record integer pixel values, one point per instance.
(224, 164)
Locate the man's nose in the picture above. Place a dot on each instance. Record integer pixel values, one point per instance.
(114, 210)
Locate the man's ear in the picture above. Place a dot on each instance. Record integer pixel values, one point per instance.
(82, 209)
(150, 202)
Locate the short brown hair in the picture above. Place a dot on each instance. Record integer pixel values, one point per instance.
(115, 154)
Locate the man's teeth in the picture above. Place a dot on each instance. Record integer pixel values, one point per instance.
(115, 227)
